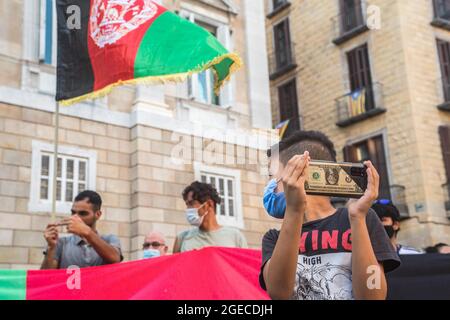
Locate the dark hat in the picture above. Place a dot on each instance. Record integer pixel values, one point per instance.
(386, 209)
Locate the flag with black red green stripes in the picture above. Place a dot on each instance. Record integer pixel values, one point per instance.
(105, 43)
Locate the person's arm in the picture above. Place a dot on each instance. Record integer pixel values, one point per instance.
(107, 252)
(51, 236)
(279, 271)
(364, 261)
(176, 246)
(242, 241)
(49, 261)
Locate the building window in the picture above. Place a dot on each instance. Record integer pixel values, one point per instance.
(227, 183)
(278, 3)
(201, 85)
(283, 59)
(441, 9)
(351, 15)
(205, 80)
(365, 97)
(47, 30)
(359, 73)
(444, 58)
(372, 149)
(277, 6)
(76, 172)
(350, 22)
(444, 134)
(288, 104)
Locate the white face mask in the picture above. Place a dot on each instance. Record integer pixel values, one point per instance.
(193, 217)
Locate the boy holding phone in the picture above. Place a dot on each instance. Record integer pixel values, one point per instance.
(321, 253)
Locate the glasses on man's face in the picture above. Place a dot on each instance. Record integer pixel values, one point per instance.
(154, 244)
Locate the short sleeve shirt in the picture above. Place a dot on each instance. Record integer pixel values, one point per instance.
(224, 237)
(74, 251)
(324, 269)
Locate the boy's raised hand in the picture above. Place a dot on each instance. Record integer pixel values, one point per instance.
(293, 178)
(358, 209)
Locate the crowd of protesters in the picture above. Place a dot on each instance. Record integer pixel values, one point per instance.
(337, 246)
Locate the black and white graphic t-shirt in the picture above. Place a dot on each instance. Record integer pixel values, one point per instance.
(324, 265)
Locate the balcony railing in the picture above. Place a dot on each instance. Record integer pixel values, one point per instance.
(348, 24)
(446, 188)
(282, 62)
(359, 105)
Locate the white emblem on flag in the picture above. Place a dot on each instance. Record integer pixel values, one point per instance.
(111, 20)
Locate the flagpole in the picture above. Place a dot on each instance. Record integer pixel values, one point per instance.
(55, 163)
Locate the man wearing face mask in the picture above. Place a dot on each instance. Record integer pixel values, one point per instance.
(201, 201)
(390, 218)
(154, 245)
(85, 247)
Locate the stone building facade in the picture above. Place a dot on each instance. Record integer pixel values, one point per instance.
(138, 147)
(373, 75)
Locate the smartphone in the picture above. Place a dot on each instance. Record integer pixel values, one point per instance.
(342, 180)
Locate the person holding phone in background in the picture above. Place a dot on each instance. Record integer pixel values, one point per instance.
(85, 247)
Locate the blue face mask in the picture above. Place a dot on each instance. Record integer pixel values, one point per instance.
(275, 203)
(151, 253)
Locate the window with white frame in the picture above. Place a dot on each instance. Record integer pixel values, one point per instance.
(201, 86)
(47, 32)
(228, 184)
(76, 172)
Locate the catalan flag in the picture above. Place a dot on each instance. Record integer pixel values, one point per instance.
(357, 103)
(282, 127)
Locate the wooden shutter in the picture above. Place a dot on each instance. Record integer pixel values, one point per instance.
(282, 44)
(444, 133)
(359, 72)
(351, 14)
(376, 154)
(444, 58)
(288, 104)
(378, 157)
(349, 154)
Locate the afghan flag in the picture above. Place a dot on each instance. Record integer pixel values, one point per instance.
(106, 43)
(206, 274)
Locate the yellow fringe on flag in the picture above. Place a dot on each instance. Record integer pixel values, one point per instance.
(163, 79)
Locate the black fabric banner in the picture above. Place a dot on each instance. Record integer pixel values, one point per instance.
(423, 276)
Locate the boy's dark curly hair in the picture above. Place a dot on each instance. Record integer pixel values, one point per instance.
(202, 192)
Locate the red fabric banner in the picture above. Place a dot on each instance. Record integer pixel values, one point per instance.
(207, 274)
